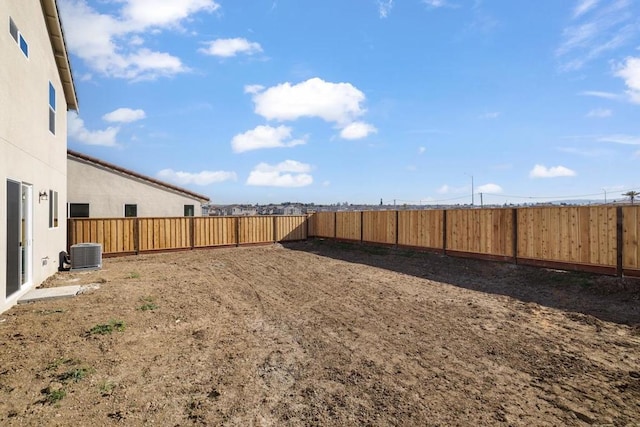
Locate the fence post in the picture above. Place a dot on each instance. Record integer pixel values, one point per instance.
(444, 231)
(275, 229)
(397, 226)
(514, 235)
(361, 226)
(619, 241)
(136, 235)
(192, 232)
(335, 225)
(237, 219)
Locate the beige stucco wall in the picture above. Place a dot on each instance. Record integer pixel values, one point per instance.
(29, 153)
(107, 191)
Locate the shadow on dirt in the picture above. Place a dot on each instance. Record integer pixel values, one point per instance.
(606, 298)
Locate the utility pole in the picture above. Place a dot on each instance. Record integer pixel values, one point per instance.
(471, 190)
(605, 195)
(481, 203)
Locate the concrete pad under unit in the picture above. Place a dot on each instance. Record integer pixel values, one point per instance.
(50, 293)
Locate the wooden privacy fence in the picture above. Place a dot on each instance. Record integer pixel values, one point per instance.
(601, 239)
(120, 236)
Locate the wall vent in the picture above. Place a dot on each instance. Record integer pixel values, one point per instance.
(86, 256)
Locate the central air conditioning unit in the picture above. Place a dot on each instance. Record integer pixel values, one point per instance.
(86, 256)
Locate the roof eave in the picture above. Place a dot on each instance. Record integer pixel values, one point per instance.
(56, 36)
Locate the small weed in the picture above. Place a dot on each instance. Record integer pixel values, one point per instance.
(74, 375)
(53, 396)
(106, 388)
(107, 328)
(61, 361)
(148, 304)
(133, 275)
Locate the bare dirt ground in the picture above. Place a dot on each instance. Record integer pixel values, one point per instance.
(319, 333)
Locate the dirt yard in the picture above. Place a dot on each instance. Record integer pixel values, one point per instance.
(319, 333)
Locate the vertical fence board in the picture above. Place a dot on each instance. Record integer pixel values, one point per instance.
(421, 228)
(631, 237)
(348, 226)
(324, 224)
(290, 228)
(481, 231)
(379, 227)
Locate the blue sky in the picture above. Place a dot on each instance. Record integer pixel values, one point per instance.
(252, 101)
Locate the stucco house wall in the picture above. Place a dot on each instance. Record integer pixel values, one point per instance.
(107, 188)
(30, 154)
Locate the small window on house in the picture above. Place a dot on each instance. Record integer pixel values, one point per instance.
(53, 209)
(189, 210)
(52, 109)
(24, 47)
(13, 30)
(78, 210)
(130, 210)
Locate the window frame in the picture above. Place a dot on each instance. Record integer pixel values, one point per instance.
(52, 108)
(54, 218)
(13, 30)
(130, 206)
(189, 210)
(78, 205)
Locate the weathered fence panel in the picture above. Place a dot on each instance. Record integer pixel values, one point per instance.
(290, 228)
(116, 235)
(379, 227)
(255, 229)
(323, 224)
(421, 228)
(348, 225)
(480, 231)
(164, 233)
(214, 231)
(573, 235)
(631, 238)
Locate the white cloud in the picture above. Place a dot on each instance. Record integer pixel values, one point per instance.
(111, 44)
(226, 48)
(339, 103)
(289, 173)
(422, 150)
(609, 26)
(600, 94)
(264, 137)
(540, 171)
(490, 115)
(77, 131)
(489, 188)
(200, 178)
(583, 7)
(621, 139)
(163, 13)
(124, 115)
(253, 89)
(437, 3)
(599, 113)
(444, 189)
(357, 130)
(384, 7)
(630, 72)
